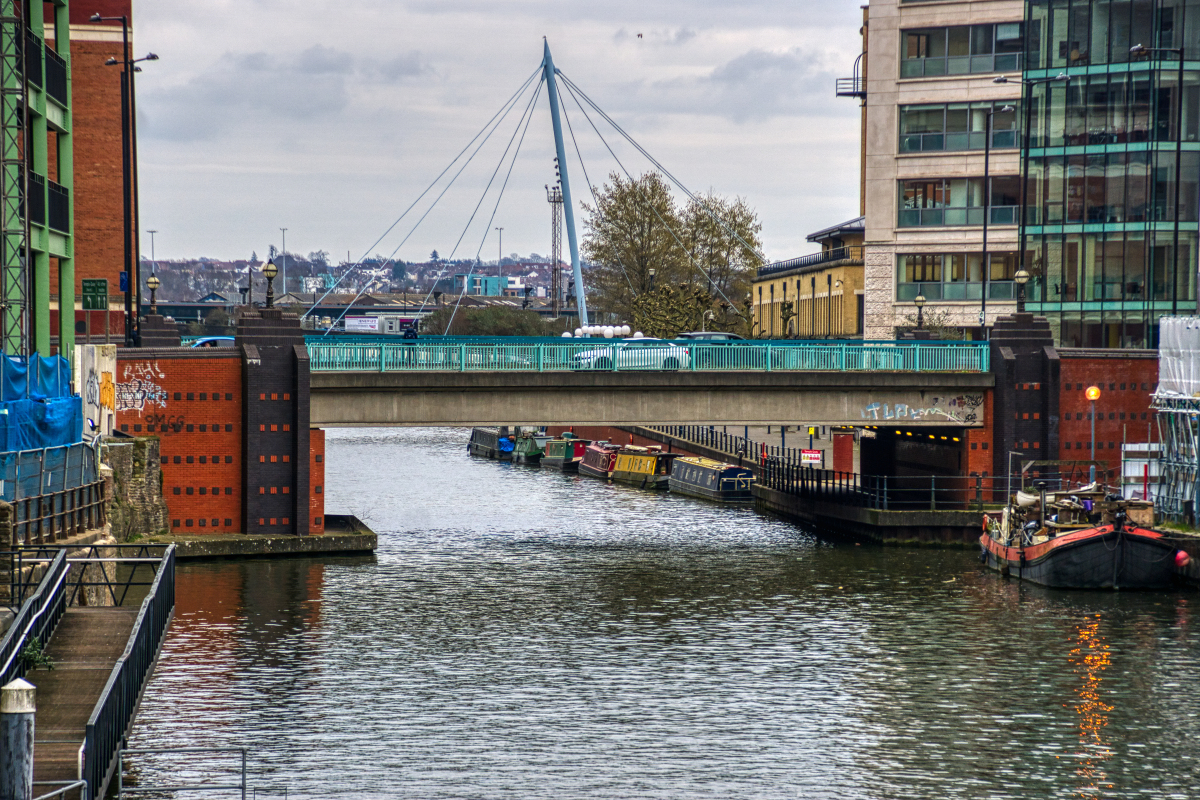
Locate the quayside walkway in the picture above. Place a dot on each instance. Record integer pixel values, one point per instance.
(97, 616)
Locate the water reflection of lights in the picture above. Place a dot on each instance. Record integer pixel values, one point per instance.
(1089, 658)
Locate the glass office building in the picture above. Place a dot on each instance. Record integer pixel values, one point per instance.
(1112, 163)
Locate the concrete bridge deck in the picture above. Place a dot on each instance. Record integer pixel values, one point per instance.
(646, 398)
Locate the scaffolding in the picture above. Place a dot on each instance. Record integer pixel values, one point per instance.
(1177, 403)
(14, 230)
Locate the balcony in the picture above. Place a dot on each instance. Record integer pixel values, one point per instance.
(35, 198)
(816, 259)
(33, 59)
(851, 87)
(955, 217)
(56, 76)
(59, 207)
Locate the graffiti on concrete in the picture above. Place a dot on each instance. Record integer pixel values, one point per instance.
(139, 387)
(960, 410)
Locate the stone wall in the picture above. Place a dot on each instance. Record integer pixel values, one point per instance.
(136, 507)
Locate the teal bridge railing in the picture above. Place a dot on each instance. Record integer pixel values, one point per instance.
(629, 355)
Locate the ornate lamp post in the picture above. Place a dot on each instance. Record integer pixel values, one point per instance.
(152, 283)
(651, 272)
(919, 302)
(1021, 278)
(270, 271)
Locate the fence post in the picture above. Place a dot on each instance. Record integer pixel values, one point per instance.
(933, 493)
(768, 358)
(979, 492)
(18, 704)
(885, 493)
(462, 358)
(541, 360)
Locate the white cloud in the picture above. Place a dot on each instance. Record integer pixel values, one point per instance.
(331, 120)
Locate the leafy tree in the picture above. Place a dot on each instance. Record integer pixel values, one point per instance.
(217, 318)
(710, 245)
(671, 310)
(487, 321)
(399, 271)
(631, 230)
(319, 258)
(433, 256)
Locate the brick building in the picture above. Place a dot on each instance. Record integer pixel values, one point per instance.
(236, 450)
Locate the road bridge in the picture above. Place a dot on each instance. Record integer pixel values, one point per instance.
(600, 383)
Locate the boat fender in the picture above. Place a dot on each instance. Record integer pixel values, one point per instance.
(983, 555)
(1182, 559)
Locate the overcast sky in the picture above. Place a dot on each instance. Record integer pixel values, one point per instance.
(330, 118)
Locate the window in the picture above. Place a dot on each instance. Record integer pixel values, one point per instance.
(317, 489)
(228, 490)
(960, 50)
(178, 459)
(204, 429)
(215, 522)
(954, 276)
(228, 459)
(137, 428)
(216, 490)
(191, 396)
(174, 523)
(320, 458)
(176, 490)
(203, 490)
(162, 460)
(203, 395)
(190, 490)
(957, 126)
(191, 459)
(317, 521)
(188, 523)
(191, 428)
(229, 429)
(203, 459)
(228, 396)
(950, 202)
(228, 523)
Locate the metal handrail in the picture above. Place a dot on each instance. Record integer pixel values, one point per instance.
(112, 715)
(32, 619)
(616, 355)
(63, 788)
(852, 253)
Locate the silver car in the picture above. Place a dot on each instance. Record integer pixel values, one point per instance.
(634, 354)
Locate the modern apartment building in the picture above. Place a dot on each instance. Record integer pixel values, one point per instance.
(1113, 166)
(36, 174)
(1105, 133)
(931, 101)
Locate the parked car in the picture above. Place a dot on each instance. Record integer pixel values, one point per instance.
(643, 353)
(214, 341)
(712, 336)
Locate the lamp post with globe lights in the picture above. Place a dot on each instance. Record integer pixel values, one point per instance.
(1021, 278)
(152, 283)
(919, 302)
(269, 271)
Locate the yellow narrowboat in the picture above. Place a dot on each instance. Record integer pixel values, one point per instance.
(645, 467)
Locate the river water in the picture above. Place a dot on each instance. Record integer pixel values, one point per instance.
(527, 634)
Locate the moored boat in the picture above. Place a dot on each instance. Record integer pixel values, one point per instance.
(599, 459)
(1081, 543)
(492, 443)
(645, 467)
(713, 480)
(529, 448)
(564, 454)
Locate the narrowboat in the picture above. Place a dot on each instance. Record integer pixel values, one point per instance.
(564, 454)
(599, 459)
(495, 443)
(529, 448)
(1081, 540)
(644, 467)
(712, 480)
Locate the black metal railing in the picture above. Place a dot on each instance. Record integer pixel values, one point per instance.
(56, 76)
(103, 585)
(58, 209)
(854, 253)
(36, 620)
(109, 722)
(33, 59)
(46, 518)
(35, 196)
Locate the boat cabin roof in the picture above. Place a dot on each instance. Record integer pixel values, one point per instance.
(700, 461)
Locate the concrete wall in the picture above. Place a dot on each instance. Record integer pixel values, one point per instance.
(647, 398)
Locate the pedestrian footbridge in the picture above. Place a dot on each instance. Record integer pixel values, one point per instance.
(605, 382)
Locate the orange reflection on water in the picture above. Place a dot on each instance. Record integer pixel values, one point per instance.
(1089, 659)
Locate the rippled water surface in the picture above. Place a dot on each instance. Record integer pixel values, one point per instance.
(526, 634)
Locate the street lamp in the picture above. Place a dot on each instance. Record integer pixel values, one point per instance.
(1061, 77)
(152, 283)
(651, 272)
(984, 266)
(129, 167)
(269, 271)
(1021, 278)
(1093, 394)
(1139, 50)
(919, 302)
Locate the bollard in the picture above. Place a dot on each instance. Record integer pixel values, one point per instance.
(17, 706)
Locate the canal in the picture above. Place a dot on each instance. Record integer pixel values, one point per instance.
(527, 634)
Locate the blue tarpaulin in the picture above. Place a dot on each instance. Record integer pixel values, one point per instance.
(37, 408)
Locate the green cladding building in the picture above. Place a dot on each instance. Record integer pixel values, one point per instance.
(1112, 163)
(36, 175)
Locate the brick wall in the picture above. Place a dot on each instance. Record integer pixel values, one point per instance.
(192, 401)
(316, 472)
(1127, 380)
(96, 145)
